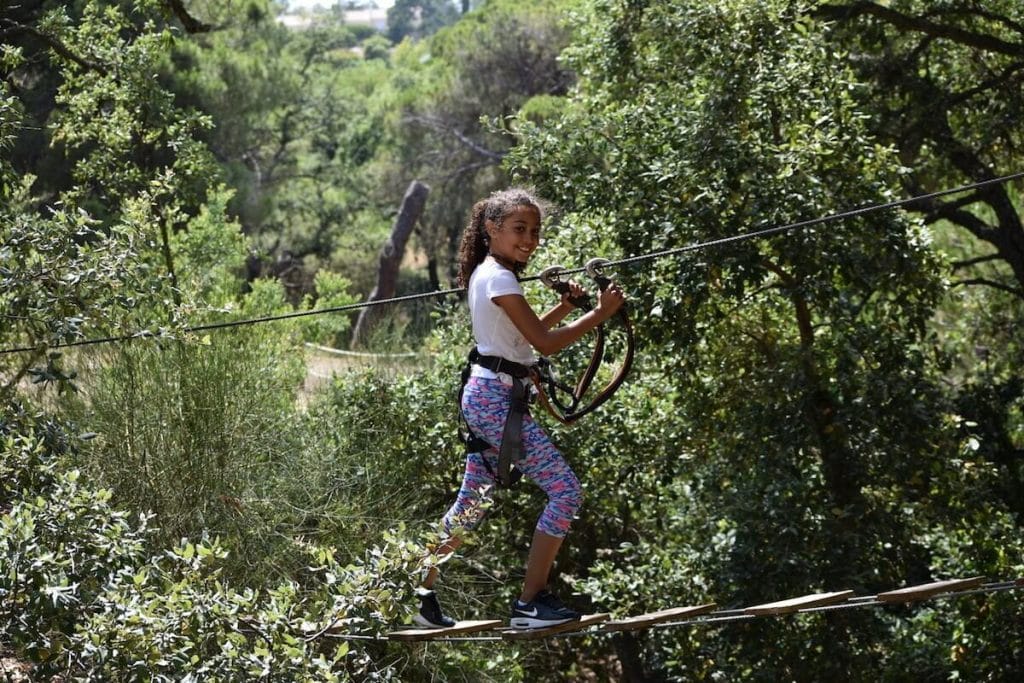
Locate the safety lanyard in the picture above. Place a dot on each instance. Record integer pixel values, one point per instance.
(559, 399)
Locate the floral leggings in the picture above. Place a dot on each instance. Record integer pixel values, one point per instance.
(485, 404)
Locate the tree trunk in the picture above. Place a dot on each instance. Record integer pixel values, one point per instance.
(391, 258)
(432, 275)
(627, 649)
(839, 464)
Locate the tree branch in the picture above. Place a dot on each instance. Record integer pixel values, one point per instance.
(191, 24)
(967, 263)
(1016, 291)
(990, 84)
(936, 211)
(906, 22)
(54, 44)
(444, 128)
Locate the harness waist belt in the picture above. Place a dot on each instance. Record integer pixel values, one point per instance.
(499, 364)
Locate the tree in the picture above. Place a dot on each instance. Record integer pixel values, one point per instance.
(944, 87)
(90, 246)
(452, 131)
(812, 440)
(391, 256)
(291, 132)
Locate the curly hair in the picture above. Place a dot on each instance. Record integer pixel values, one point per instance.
(475, 244)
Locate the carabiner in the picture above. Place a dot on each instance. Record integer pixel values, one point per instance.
(550, 276)
(595, 269)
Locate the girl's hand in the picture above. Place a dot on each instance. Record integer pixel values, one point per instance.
(611, 300)
(576, 291)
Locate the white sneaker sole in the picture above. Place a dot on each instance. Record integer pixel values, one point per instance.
(528, 623)
(420, 622)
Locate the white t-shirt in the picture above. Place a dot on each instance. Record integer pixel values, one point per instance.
(494, 332)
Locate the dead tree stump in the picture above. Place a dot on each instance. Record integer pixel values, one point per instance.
(390, 259)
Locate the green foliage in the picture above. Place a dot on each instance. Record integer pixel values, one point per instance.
(296, 121)
(377, 47)
(60, 544)
(477, 73)
(112, 109)
(331, 292)
(372, 434)
(97, 259)
(928, 92)
(81, 595)
(798, 361)
(210, 253)
(178, 437)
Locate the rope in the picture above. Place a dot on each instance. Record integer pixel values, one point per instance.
(766, 232)
(146, 334)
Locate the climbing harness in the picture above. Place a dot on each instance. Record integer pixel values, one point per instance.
(559, 399)
(512, 433)
(549, 390)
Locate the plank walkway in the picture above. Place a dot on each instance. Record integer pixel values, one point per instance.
(708, 613)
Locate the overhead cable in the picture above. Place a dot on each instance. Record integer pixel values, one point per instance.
(665, 253)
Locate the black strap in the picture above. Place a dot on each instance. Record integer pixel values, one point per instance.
(499, 364)
(549, 390)
(512, 434)
(511, 439)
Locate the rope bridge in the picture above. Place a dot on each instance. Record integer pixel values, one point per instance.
(692, 615)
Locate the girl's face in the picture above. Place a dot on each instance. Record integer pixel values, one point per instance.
(518, 234)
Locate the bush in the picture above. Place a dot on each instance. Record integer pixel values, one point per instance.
(83, 595)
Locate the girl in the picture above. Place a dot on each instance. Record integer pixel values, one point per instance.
(503, 232)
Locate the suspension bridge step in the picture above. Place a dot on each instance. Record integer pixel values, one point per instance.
(644, 620)
(578, 625)
(796, 604)
(460, 628)
(927, 590)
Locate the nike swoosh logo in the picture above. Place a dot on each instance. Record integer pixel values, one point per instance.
(529, 613)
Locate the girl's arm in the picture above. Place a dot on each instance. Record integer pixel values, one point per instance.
(564, 307)
(556, 314)
(551, 341)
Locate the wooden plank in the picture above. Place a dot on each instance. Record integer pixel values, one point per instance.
(460, 628)
(640, 621)
(803, 602)
(927, 590)
(533, 633)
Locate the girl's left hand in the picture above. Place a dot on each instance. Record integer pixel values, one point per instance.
(576, 291)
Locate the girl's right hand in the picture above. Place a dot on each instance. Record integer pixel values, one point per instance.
(610, 300)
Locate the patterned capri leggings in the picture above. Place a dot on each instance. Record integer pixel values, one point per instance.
(485, 404)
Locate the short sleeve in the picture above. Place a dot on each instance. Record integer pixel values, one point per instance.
(504, 282)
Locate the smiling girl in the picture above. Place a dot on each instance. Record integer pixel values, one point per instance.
(503, 232)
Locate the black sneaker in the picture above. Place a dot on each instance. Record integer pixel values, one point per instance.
(544, 610)
(430, 614)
